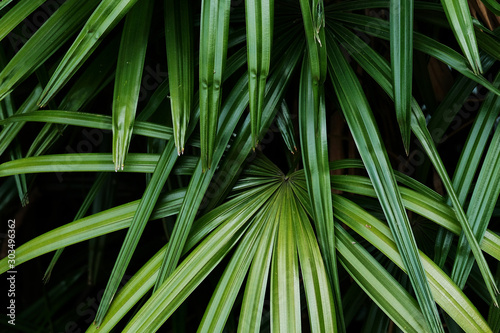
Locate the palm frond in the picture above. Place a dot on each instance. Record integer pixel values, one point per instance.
(234, 230)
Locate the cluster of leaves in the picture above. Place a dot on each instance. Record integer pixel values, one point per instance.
(274, 244)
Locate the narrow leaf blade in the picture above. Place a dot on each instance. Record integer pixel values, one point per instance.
(180, 61)
(104, 18)
(214, 25)
(128, 77)
(46, 40)
(363, 127)
(258, 17)
(401, 26)
(460, 20)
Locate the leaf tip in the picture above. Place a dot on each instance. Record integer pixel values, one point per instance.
(406, 136)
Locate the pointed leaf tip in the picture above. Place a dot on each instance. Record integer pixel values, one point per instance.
(406, 142)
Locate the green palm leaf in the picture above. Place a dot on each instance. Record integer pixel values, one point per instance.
(90, 120)
(461, 23)
(21, 183)
(259, 27)
(401, 27)
(163, 168)
(192, 271)
(420, 42)
(389, 295)
(284, 122)
(451, 104)
(255, 290)
(474, 147)
(214, 24)
(482, 203)
(104, 18)
(180, 61)
(236, 103)
(99, 162)
(146, 205)
(10, 131)
(313, 15)
(225, 294)
(435, 209)
(201, 180)
(476, 144)
(248, 231)
(128, 77)
(284, 284)
(110, 220)
(379, 70)
(130, 294)
(16, 15)
(7, 110)
(58, 28)
(4, 3)
(312, 123)
(276, 87)
(96, 76)
(446, 293)
(367, 138)
(320, 299)
(243, 206)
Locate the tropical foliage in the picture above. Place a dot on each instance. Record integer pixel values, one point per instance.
(252, 165)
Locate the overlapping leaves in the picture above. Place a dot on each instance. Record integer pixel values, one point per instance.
(272, 231)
